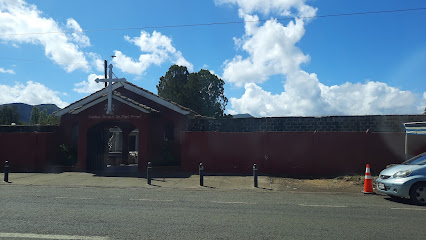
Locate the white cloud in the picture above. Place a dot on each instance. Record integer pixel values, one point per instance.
(181, 61)
(20, 22)
(127, 65)
(156, 49)
(32, 93)
(90, 85)
(346, 99)
(302, 97)
(422, 105)
(10, 71)
(281, 7)
(155, 43)
(272, 50)
(96, 61)
(368, 98)
(77, 34)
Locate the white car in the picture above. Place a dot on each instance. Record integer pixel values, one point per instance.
(405, 180)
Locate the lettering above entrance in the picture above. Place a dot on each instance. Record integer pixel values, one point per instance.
(121, 117)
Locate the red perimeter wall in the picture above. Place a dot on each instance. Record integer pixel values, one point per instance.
(291, 153)
(27, 151)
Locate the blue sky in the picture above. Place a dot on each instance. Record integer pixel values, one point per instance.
(347, 65)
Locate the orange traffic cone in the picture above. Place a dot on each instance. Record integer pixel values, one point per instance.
(368, 183)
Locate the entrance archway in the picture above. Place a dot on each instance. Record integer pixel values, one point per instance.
(121, 144)
(109, 144)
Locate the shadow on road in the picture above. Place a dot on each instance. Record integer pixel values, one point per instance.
(405, 201)
(133, 171)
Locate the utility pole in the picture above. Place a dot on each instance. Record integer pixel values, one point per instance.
(106, 66)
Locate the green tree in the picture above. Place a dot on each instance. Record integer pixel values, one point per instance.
(35, 115)
(202, 91)
(172, 85)
(53, 120)
(42, 119)
(8, 115)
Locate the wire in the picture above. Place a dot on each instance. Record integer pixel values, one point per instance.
(220, 23)
(365, 13)
(21, 59)
(207, 24)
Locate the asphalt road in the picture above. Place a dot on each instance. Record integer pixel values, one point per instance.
(40, 212)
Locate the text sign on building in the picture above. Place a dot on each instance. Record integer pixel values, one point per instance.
(121, 117)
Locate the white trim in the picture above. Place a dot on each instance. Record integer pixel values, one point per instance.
(114, 86)
(99, 100)
(415, 128)
(85, 100)
(155, 99)
(91, 104)
(130, 104)
(414, 123)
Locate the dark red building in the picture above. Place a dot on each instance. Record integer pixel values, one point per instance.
(154, 122)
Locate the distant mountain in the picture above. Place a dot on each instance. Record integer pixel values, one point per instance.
(243, 115)
(24, 110)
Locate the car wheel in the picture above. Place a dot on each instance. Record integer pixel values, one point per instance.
(418, 193)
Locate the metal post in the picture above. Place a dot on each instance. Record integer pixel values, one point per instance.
(201, 171)
(105, 67)
(6, 171)
(148, 173)
(255, 175)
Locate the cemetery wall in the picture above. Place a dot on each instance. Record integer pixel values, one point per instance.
(294, 153)
(327, 145)
(375, 123)
(27, 148)
(287, 145)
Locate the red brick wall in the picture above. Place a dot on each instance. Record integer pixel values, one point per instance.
(303, 153)
(27, 151)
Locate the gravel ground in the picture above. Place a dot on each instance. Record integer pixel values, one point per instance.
(353, 184)
(337, 184)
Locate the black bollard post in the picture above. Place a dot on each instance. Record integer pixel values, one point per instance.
(201, 171)
(255, 175)
(6, 171)
(148, 173)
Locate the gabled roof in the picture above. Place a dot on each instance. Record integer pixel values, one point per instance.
(155, 98)
(117, 96)
(101, 95)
